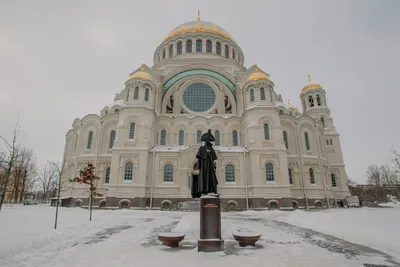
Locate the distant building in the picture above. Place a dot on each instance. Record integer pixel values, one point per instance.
(143, 145)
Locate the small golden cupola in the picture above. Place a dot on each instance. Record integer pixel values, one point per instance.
(257, 75)
(293, 107)
(311, 86)
(140, 74)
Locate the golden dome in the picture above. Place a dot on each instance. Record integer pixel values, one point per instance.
(257, 75)
(293, 107)
(311, 85)
(140, 75)
(199, 26)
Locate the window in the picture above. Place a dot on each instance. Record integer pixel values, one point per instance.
(280, 112)
(226, 51)
(136, 93)
(323, 121)
(251, 95)
(318, 100)
(266, 131)
(181, 138)
(168, 173)
(189, 46)
(229, 173)
(218, 48)
(311, 101)
(327, 142)
(146, 94)
(163, 54)
(290, 176)
(333, 178)
(233, 54)
(262, 93)
(209, 46)
(199, 46)
(312, 178)
(89, 140)
(127, 95)
(235, 138)
(132, 131)
(217, 138)
(163, 137)
(330, 141)
(107, 178)
(285, 139)
(171, 51)
(112, 139)
(269, 169)
(128, 171)
(179, 49)
(307, 141)
(198, 136)
(199, 97)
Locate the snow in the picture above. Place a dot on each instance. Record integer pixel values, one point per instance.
(129, 238)
(246, 234)
(391, 204)
(170, 234)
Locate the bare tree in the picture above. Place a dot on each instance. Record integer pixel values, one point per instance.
(47, 178)
(374, 175)
(24, 170)
(12, 149)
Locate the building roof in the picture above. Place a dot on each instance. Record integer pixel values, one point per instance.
(199, 26)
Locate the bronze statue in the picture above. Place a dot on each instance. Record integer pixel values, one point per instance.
(207, 179)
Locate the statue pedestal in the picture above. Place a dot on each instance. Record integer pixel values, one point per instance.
(210, 225)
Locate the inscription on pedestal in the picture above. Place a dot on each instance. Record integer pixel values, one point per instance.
(210, 225)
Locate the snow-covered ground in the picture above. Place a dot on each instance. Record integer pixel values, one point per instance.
(129, 238)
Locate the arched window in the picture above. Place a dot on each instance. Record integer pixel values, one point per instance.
(319, 100)
(89, 140)
(168, 173)
(311, 101)
(323, 121)
(251, 95)
(235, 138)
(280, 112)
(330, 141)
(307, 140)
(189, 46)
(181, 137)
(107, 178)
(333, 179)
(163, 54)
(285, 139)
(290, 176)
(218, 48)
(112, 139)
(198, 136)
(266, 131)
(179, 49)
(233, 54)
(209, 46)
(269, 170)
(171, 51)
(128, 171)
(132, 131)
(262, 93)
(217, 138)
(146, 94)
(226, 51)
(127, 95)
(312, 178)
(136, 93)
(199, 46)
(229, 173)
(163, 137)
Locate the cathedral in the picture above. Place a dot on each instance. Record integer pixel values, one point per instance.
(144, 144)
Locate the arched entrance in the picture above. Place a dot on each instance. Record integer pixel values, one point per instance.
(195, 181)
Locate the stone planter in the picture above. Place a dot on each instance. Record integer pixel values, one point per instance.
(171, 239)
(247, 238)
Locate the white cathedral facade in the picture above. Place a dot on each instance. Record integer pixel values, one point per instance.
(143, 145)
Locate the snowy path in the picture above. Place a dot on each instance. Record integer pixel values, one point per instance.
(129, 238)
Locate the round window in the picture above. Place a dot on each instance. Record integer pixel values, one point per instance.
(198, 97)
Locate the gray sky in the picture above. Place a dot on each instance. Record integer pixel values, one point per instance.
(60, 60)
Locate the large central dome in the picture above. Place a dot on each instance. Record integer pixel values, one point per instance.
(199, 26)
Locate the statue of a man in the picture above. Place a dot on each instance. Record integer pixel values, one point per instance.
(207, 181)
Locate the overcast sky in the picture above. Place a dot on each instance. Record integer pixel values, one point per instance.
(60, 60)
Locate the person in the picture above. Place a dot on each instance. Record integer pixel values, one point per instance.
(207, 180)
